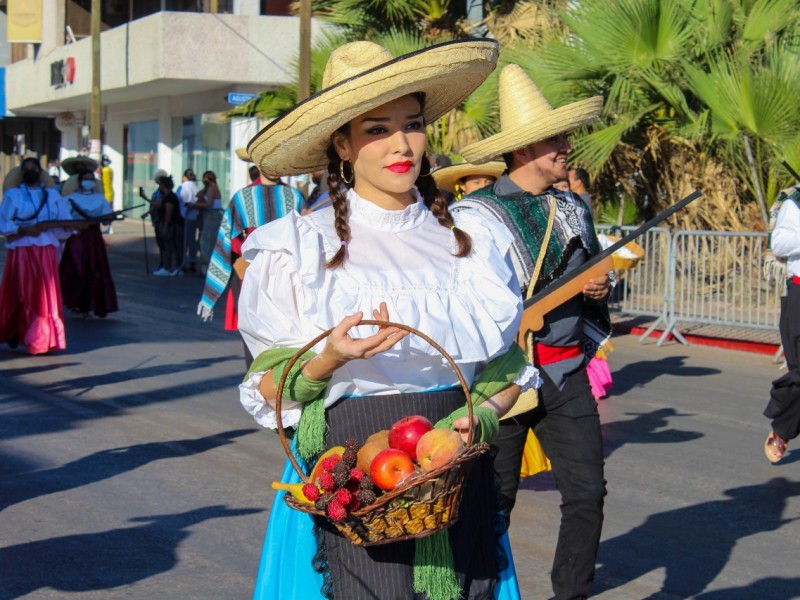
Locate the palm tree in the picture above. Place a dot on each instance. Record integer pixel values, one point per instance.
(697, 94)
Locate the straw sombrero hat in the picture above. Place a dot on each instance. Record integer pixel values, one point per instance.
(242, 154)
(76, 164)
(526, 117)
(361, 76)
(14, 179)
(72, 184)
(447, 177)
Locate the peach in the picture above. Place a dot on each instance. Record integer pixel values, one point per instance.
(438, 447)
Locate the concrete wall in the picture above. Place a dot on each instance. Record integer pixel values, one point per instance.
(167, 53)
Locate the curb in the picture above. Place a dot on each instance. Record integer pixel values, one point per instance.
(702, 340)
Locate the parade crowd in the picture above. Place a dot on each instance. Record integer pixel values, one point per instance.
(392, 234)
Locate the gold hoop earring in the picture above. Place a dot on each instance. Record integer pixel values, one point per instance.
(341, 173)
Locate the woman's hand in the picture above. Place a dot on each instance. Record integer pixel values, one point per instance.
(341, 347)
(597, 288)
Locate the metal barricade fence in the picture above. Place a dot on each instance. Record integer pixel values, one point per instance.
(717, 279)
(708, 277)
(643, 290)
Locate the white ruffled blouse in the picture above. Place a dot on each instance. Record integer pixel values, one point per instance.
(470, 306)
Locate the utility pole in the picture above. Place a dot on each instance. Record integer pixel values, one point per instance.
(304, 79)
(95, 150)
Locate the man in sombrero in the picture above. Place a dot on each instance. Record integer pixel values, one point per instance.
(534, 144)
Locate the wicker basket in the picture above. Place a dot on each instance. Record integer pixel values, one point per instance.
(622, 262)
(422, 504)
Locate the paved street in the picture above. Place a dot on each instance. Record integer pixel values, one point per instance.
(129, 470)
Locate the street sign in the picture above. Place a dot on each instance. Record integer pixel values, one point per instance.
(238, 98)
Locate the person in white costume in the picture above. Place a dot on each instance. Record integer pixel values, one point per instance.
(387, 248)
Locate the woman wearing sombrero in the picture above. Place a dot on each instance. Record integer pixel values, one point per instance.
(85, 273)
(30, 297)
(388, 248)
(464, 178)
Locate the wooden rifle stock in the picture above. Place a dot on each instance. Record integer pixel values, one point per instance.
(533, 316)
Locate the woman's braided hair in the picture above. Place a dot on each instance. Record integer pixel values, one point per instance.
(431, 195)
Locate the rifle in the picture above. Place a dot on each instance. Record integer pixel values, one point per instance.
(117, 215)
(569, 286)
(792, 172)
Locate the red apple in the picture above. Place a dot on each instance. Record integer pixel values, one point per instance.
(404, 435)
(390, 467)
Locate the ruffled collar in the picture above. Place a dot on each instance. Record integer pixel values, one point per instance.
(373, 216)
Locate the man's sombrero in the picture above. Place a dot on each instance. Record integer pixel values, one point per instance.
(242, 154)
(361, 76)
(77, 164)
(526, 117)
(72, 184)
(14, 179)
(447, 177)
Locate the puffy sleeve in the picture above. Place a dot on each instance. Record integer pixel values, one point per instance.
(785, 239)
(7, 225)
(286, 259)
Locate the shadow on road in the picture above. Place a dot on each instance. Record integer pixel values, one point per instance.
(774, 588)
(693, 544)
(16, 488)
(99, 561)
(645, 428)
(640, 373)
(49, 412)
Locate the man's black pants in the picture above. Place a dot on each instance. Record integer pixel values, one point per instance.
(568, 426)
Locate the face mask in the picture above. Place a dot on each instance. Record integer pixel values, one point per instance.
(30, 177)
(88, 184)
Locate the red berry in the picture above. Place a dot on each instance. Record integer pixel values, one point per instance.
(326, 481)
(311, 492)
(336, 511)
(330, 462)
(343, 496)
(356, 474)
(354, 503)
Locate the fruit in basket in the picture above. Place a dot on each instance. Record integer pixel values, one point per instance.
(311, 491)
(336, 511)
(327, 482)
(295, 489)
(375, 443)
(390, 467)
(366, 497)
(319, 468)
(405, 434)
(437, 447)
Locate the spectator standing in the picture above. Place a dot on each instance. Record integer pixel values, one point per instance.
(209, 200)
(170, 227)
(107, 181)
(534, 145)
(193, 218)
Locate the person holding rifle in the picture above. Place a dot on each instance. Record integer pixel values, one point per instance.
(554, 235)
(30, 296)
(86, 283)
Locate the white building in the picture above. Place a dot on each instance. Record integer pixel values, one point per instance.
(165, 83)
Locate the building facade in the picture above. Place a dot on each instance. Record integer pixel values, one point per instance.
(167, 79)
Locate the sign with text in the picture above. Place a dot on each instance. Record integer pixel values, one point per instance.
(24, 21)
(239, 98)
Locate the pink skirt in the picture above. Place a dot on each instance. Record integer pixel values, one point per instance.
(599, 377)
(30, 300)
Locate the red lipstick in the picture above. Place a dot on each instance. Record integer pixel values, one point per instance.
(401, 167)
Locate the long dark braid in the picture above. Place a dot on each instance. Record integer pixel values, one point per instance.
(437, 204)
(339, 203)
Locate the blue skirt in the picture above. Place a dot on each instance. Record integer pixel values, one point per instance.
(286, 571)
